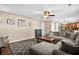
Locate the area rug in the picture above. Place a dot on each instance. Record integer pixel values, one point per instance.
(22, 47)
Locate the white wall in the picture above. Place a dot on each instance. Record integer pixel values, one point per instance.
(43, 28)
(14, 32)
(53, 26)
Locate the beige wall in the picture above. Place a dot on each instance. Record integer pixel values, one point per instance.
(14, 32)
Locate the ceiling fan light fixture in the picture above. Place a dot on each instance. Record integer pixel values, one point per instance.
(46, 13)
(46, 17)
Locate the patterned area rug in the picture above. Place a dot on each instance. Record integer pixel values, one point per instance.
(22, 47)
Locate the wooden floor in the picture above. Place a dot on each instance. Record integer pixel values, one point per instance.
(6, 50)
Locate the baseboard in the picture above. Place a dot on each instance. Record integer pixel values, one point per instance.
(20, 40)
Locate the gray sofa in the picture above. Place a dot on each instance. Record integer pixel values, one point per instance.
(2, 42)
(68, 41)
(68, 47)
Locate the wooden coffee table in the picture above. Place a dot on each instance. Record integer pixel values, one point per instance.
(48, 39)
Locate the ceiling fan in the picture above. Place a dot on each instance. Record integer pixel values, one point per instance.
(47, 14)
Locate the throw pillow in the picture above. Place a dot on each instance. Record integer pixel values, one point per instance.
(67, 34)
(77, 39)
(73, 35)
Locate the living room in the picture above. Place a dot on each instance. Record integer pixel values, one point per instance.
(35, 28)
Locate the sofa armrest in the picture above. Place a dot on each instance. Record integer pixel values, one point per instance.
(59, 52)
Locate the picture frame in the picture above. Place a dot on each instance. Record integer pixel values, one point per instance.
(21, 23)
(10, 21)
(29, 24)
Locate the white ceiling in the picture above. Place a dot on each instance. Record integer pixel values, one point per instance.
(61, 11)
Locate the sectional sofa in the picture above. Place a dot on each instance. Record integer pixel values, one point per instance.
(68, 44)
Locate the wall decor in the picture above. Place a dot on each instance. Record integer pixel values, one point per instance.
(29, 23)
(10, 21)
(21, 23)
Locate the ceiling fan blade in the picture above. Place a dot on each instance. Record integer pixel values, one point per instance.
(51, 15)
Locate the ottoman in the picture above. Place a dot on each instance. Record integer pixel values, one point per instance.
(43, 48)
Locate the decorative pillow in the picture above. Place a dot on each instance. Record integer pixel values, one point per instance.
(73, 35)
(61, 34)
(67, 34)
(71, 48)
(77, 39)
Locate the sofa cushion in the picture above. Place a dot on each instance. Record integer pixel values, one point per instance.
(1, 42)
(59, 52)
(72, 36)
(61, 34)
(70, 47)
(55, 33)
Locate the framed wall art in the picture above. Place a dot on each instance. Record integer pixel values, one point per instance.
(29, 24)
(10, 21)
(21, 23)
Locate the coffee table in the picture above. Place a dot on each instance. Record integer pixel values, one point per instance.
(47, 39)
